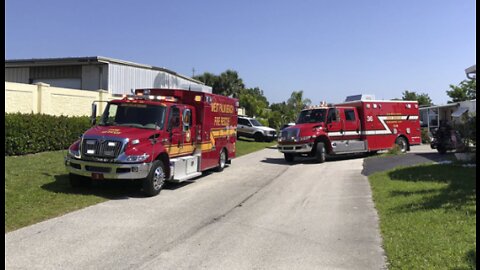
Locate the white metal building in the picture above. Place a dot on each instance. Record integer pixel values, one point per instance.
(433, 116)
(94, 73)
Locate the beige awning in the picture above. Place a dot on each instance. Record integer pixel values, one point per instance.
(459, 112)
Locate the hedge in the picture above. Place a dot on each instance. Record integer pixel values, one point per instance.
(33, 133)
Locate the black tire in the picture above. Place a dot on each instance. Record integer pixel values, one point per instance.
(258, 137)
(320, 153)
(402, 143)
(289, 157)
(441, 150)
(222, 160)
(152, 185)
(79, 181)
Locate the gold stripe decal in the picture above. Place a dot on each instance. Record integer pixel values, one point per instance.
(174, 150)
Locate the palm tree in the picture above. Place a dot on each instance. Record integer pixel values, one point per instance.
(296, 102)
(229, 84)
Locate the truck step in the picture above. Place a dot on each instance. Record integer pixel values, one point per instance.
(186, 177)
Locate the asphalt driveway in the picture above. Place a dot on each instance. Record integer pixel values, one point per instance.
(419, 154)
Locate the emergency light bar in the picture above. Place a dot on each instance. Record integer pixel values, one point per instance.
(322, 105)
(150, 97)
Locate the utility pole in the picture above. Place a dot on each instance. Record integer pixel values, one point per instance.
(193, 72)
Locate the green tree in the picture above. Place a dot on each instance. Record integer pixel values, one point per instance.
(281, 114)
(423, 99)
(254, 102)
(296, 102)
(207, 78)
(466, 90)
(228, 83)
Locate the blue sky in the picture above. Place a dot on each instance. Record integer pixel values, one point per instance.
(328, 49)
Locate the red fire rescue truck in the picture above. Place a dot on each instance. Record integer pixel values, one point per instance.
(156, 135)
(360, 124)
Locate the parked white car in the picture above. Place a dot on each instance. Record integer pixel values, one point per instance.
(250, 128)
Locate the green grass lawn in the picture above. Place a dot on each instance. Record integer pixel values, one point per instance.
(427, 216)
(245, 146)
(37, 187)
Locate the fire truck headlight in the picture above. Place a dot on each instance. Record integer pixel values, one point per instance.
(74, 153)
(139, 158)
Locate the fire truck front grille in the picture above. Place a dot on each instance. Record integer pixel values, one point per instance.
(289, 134)
(93, 148)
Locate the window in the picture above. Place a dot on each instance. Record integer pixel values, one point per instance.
(350, 115)
(255, 123)
(134, 115)
(187, 119)
(174, 118)
(311, 116)
(242, 121)
(332, 115)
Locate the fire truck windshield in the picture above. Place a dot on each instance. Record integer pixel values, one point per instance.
(134, 115)
(312, 116)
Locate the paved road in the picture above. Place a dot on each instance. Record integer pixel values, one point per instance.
(259, 213)
(419, 154)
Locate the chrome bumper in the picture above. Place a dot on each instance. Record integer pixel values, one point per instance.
(108, 170)
(295, 148)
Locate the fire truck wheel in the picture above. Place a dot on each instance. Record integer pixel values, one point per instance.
(289, 157)
(441, 150)
(222, 160)
(79, 181)
(258, 137)
(155, 179)
(402, 143)
(321, 152)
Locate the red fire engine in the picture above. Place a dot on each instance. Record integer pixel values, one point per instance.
(360, 124)
(156, 135)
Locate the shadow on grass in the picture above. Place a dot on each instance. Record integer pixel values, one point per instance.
(245, 139)
(460, 189)
(471, 258)
(108, 189)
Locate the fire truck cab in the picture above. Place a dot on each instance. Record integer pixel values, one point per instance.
(359, 125)
(154, 136)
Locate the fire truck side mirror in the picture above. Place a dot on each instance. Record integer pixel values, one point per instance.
(93, 117)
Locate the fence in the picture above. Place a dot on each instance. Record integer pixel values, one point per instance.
(44, 99)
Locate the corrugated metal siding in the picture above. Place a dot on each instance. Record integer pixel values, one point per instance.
(56, 72)
(91, 77)
(124, 78)
(19, 75)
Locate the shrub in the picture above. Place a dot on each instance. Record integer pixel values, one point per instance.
(425, 136)
(468, 129)
(395, 150)
(33, 133)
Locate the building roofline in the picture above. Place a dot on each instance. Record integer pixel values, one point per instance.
(471, 72)
(439, 106)
(87, 60)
